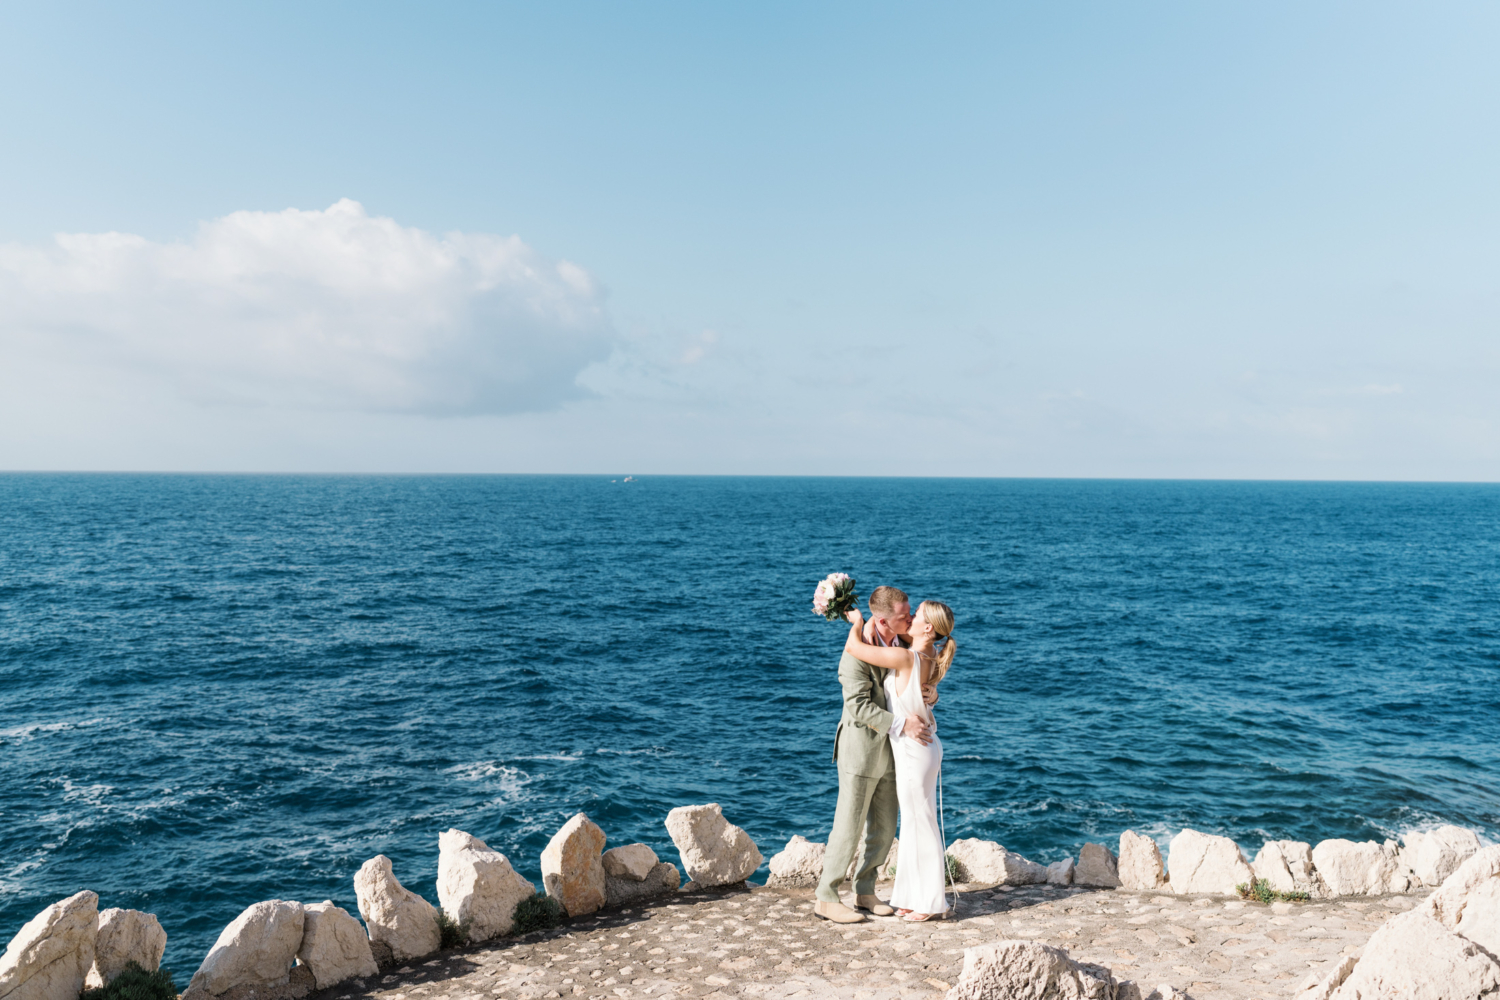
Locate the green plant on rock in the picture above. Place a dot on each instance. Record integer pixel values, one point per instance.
(1260, 890)
(452, 933)
(537, 913)
(950, 863)
(135, 983)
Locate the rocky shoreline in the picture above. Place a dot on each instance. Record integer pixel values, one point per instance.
(1196, 863)
(1126, 925)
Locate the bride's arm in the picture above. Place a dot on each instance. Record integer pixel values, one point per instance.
(886, 657)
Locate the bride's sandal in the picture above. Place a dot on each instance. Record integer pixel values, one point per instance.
(918, 918)
(902, 913)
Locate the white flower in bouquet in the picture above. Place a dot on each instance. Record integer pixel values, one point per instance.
(835, 596)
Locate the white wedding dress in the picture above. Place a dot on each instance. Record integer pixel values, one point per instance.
(920, 863)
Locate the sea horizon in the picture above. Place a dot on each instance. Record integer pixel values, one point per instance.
(748, 475)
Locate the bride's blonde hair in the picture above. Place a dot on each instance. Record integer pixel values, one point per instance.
(940, 617)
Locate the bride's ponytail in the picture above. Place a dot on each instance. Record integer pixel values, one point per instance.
(944, 659)
(940, 617)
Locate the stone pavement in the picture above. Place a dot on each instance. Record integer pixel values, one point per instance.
(765, 942)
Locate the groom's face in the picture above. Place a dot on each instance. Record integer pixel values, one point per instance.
(898, 622)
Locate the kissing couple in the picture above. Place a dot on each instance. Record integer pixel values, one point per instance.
(888, 758)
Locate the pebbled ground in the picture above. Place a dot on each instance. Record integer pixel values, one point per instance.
(765, 942)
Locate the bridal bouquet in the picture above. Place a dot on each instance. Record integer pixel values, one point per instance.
(834, 596)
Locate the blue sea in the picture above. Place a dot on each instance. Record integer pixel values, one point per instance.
(221, 689)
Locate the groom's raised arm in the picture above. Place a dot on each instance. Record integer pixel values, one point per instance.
(855, 678)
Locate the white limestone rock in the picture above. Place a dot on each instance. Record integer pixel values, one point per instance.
(1367, 869)
(1443, 949)
(988, 862)
(1060, 872)
(51, 954)
(1129, 990)
(1202, 862)
(395, 916)
(572, 868)
(1412, 956)
(256, 949)
(1447, 903)
(798, 864)
(1287, 866)
(1097, 865)
(334, 946)
(885, 871)
(1480, 921)
(477, 886)
(662, 880)
(1434, 855)
(1029, 969)
(1140, 864)
(714, 851)
(1165, 991)
(126, 936)
(1468, 902)
(632, 861)
(1322, 987)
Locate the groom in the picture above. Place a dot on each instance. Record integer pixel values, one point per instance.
(867, 809)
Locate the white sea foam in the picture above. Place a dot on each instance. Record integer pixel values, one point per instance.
(92, 795)
(1161, 833)
(30, 864)
(21, 734)
(505, 779)
(481, 769)
(529, 825)
(1427, 824)
(441, 815)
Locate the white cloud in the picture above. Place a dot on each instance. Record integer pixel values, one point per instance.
(329, 309)
(698, 348)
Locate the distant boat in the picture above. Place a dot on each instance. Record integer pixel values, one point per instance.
(628, 479)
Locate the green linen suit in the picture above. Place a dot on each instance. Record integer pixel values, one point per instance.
(867, 781)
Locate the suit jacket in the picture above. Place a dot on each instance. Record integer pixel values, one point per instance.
(862, 743)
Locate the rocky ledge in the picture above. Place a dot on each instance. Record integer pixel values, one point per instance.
(1107, 926)
(765, 942)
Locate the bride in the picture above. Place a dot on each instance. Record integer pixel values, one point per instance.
(921, 866)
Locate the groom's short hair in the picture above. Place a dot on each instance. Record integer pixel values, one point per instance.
(883, 600)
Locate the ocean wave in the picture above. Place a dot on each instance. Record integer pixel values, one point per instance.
(92, 795)
(506, 778)
(1426, 824)
(30, 864)
(22, 733)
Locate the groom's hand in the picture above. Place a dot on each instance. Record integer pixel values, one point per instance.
(929, 694)
(917, 730)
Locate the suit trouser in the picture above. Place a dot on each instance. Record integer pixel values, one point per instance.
(866, 812)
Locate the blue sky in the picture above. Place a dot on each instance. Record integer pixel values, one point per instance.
(1032, 239)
